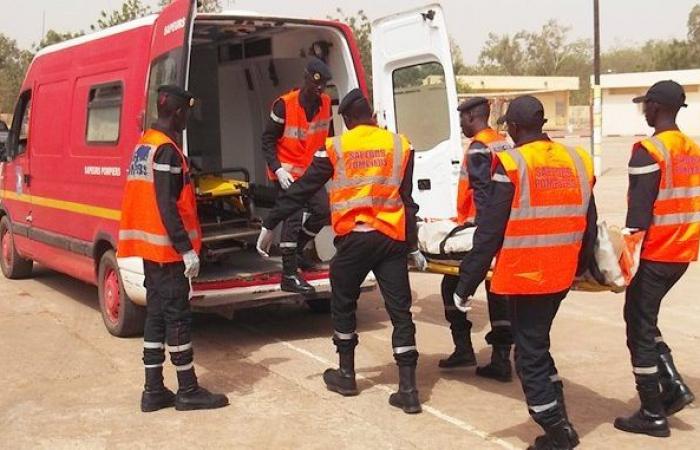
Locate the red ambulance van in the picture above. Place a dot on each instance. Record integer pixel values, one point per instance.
(85, 102)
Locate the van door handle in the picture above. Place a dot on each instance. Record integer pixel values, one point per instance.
(27, 179)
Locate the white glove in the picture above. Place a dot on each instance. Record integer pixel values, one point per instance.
(191, 260)
(285, 178)
(264, 242)
(462, 304)
(418, 260)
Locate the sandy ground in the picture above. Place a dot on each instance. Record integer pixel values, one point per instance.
(68, 384)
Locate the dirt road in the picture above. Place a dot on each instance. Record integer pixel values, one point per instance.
(68, 384)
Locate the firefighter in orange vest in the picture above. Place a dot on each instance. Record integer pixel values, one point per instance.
(540, 221)
(159, 223)
(374, 217)
(299, 123)
(473, 191)
(664, 203)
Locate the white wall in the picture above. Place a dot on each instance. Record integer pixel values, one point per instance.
(624, 118)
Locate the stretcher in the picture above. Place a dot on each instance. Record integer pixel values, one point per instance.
(445, 244)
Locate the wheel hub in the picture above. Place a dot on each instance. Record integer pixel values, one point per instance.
(111, 295)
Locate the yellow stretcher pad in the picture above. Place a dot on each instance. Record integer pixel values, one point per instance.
(213, 186)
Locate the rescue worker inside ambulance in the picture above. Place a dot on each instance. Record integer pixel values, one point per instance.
(473, 191)
(540, 223)
(299, 123)
(159, 224)
(664, 203)
(370, 171)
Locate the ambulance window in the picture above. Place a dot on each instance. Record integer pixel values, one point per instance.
(164, 70)
(20, 125)
(104, 113)
(420, 101)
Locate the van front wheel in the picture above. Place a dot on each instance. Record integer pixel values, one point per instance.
(121, 316)
(13, 265)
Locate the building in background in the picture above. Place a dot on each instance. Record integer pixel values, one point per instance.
(553, 92)
(621, 117)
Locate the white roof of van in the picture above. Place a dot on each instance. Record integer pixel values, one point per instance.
(137, 23)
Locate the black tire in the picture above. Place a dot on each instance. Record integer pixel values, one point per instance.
(319, 305)
(122, 317)
(13, 265)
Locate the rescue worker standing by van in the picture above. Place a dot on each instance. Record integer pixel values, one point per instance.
(159, 223)
(664, 202)
(541, 221)
(299, 124)
(374, 217)
(472, 196)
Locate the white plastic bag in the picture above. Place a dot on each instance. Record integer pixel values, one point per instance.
(445, 241)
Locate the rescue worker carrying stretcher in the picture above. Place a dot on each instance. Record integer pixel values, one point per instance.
(664, 203)
(473, 192)
(159, 223)
(299, 123)
(370, 171)
(541, 222)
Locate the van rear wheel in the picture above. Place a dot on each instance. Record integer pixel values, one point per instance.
(13, 265)
(121, 316)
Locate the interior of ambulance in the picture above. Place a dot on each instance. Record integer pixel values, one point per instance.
(238, 67)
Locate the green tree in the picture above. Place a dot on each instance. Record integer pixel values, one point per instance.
(362, 30)
(503, 55)
(202, 5)
(13, 65)
(54, 37)
(130, 10)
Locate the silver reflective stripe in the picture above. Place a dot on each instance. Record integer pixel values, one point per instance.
(152, 366)
(179, 348)
(499, 177)
(320, 125)
(306, 230)
(541, 408)
(153, 345)
(500, 146)
(321, 154)
(668, 165)
(651, 168)
(368, 202)
(184, 367)
(276, 118)
(344, 336)
(658, 339)
(400, 350)
(542, 240)
(500, 323)
(363, 228)
(536, 212)
(294, 133)
(167, 168)
(288, 245)
(645, 370)
(677, 219)
(478, 151)
(678, 192)
(554, 378)
(156, 239)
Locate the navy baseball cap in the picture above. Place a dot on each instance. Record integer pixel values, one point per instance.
(350, 99)
(666, 92)
(186, 97)
(471, 103)
(318, 70)
(524, 110)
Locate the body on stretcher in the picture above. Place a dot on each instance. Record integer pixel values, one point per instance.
(445, 243)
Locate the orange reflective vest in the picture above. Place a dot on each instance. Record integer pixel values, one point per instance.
(494, 142)
(675, 230)
(553, 185)
(301, 138)
(369, 164)
(141, 229)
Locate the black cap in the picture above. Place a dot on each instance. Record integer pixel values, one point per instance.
(524, 110)
(666, 92)
(186, 97)
(318, 70)
(351, 98)
(471, 103)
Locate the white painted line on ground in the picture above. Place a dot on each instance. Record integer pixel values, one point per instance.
(427, 408)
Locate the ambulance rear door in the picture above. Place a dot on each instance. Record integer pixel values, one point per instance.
(415, 94)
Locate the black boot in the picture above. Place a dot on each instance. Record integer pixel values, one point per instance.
(559, 388)
(675, 394)
(650, 418)
(556, 437)
(291, 280)
(500, 368)
(407, 396)
(191, 396)
(463, 355)
(155, 395)
(342, 380)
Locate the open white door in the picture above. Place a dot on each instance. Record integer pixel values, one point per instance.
(415, 94)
